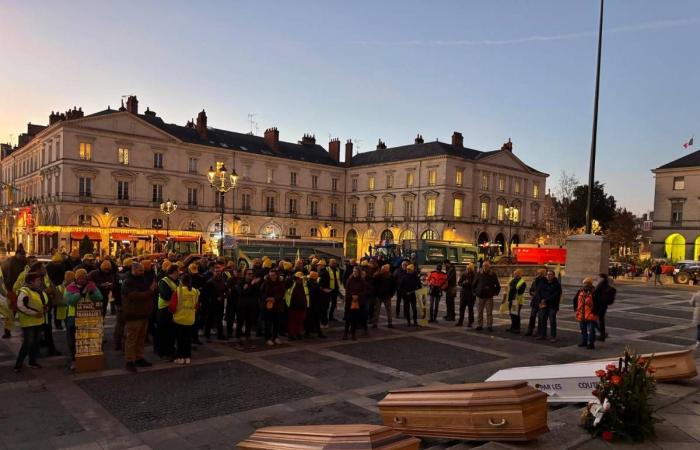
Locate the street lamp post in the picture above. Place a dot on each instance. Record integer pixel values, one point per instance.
(167, 208)
(221, 184)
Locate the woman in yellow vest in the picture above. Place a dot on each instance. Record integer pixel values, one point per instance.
(32, 304)
(77, 289)
(183, 306)
(516, 298)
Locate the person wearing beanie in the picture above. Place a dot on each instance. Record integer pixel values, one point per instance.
(77, 287)
(272, 293)
(466, 297)
(106, 281)
(183, 305)
(88, 263)
(585, 313)
(549, 296)
(165, 328)
(384, 288)
(355, 290)
(316, 308)
(540, 277)
(297, 298)
(137, 308)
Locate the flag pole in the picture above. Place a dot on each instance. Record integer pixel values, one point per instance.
(594, 136)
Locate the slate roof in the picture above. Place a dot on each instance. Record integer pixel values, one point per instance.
(689, 160)
(418, 151)
(248, 143)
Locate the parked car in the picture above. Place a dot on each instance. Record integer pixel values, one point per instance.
(685, 271)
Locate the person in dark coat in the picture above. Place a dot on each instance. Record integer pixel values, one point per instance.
(603, 296)
(247, 314)
(355, 292)
(317, 308)
(540, 278)
(466, 298)
(272, 294)
(549, 296)
(137, 307)
(486, 288)
(410, 283)
(451, 292)
(216, 292)
(384, 288)
(106, 281)
(398, 274)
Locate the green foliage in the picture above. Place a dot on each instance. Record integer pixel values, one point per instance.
(623, 406)
(603, 206)
(85, 246)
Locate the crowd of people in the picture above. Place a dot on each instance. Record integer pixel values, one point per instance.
(180, 302)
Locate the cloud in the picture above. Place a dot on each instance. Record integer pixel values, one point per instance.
(649, 26)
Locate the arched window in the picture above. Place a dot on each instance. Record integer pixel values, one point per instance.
(429, 234)
(675, 247)
(407, 234)
(387, 236)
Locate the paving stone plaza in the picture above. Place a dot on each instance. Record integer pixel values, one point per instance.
(226, 394)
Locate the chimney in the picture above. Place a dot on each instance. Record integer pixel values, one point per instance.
(381, 145)
(419, 139)
(334, 149)
(507, 146)
(53, 118)
(121, 108)
(202, 124)
(272, 138)
(149, 113)
(457, 140)
(190, 123)
(348, 153)
(132, 104)
(308, 139)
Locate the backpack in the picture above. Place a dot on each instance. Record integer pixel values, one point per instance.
(610, 295)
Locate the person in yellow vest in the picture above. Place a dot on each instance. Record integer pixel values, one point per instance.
(516, 299)
(183, 306)
(78, 288)
(298, 300)
(32, 304)
(61, 306)
(335, 284)
(166, 332)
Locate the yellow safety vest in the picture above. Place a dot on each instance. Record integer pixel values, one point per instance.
(288, 295)
(186, 305)
(36, 303)
(334, 275)
(62, 310)
(519, 298)
(162, 302)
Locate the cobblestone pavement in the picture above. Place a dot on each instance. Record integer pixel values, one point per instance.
(227, 393)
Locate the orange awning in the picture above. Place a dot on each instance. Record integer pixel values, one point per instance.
(46, 233)
(160, 237)
(185, 238)
(78, 235)
(122, 237)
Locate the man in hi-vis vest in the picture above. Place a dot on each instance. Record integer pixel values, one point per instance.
(331, 283)
(32, 305)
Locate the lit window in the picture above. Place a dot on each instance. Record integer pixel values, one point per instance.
(123, 156)
(536, 190)
(432, 177)
(485, 182)
(516, 188)
(484, 210)
(678, 183)
(501, 184)
(430, 207)
(314, 181)
(86, 151)
(458, 177)
(389, 207)
(458, 207)
(389, 181)
(501, 211)
(409, 179)
(293, 178)
(370, 183)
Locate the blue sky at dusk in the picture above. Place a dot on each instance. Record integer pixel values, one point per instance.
(378, 69)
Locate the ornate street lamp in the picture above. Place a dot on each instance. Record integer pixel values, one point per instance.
(222, 182)
(511, 215)
(167, 208)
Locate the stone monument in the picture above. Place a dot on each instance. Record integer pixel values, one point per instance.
(587, 255)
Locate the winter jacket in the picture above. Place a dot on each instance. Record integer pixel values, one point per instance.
(550, 293)
(487, 285)
(384, 285)
(583, 305)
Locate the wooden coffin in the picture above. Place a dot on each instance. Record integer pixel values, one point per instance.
(329, 437)
(500, 411)
(671, 366)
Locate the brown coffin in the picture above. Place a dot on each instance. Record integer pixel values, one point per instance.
(329, 437)
(670, 366)
(497, 410)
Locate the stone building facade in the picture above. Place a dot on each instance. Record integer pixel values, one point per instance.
(676, 219)
(105, 175)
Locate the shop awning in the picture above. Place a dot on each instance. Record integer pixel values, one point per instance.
(122, 237)
(185, 238)
(159, 236)
(92, 235)
(46, 233)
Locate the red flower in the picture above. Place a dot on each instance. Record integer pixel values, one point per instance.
(611, 367)
(600, 373)
(616, 380)
(607, 436)
(595, 392)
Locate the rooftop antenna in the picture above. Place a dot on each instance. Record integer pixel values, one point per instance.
(252, 123)
(357, 145)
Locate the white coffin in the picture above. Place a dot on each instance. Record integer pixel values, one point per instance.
(563, 383)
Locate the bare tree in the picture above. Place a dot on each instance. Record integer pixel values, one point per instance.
(566, 186)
